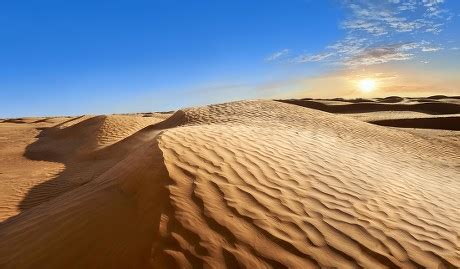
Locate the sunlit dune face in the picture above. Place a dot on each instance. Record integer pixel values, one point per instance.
(367, 85)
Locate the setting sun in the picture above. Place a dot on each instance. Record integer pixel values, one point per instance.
(367, 85)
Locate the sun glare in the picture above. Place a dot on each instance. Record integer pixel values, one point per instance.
(367, 85)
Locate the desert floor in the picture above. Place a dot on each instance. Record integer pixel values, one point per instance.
(299, 183)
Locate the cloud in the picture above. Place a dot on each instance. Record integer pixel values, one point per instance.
(380, 31)
(388, 53)
(311, 58)
(430, 49)
(384, 18)
(379, 55)
(349, 46)
(371, 27)
(277, 55)
(433, 7)
(408, 5)
(431, 3)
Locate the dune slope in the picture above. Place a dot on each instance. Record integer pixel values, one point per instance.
(273, 185)
(254, 184)
(48, 157)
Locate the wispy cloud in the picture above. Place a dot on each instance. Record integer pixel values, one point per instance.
(394, 16)
(380, 31)
(433, 7)
(380, 55)
(408, 5)
(305, 58)
(349, 46)
(388, 53)
(430, 49)
(277, 55)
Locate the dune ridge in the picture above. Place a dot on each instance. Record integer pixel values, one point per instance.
(285, 191)
(64, 155)
(443, 123)
(250, 184)
(432, 106)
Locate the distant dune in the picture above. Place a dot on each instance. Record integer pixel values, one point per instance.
(250, 184)
(428, 105)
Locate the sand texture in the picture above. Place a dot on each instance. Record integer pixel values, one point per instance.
(249, 184)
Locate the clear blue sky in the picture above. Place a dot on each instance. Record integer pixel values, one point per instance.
(80, 57)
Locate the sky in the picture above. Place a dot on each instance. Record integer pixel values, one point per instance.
(119, 56)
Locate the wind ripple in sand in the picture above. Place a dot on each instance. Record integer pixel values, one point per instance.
(36, 166)
(274, 186)
(256, 184)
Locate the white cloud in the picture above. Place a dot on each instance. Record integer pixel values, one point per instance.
(388, 53)
(380, 18)
(311, 57)
(379, 31)
(384, 54)
(349, 46)
(408, 5)
(371, 27)
(277, 55)
(431, 49)
(433, 7)
(431, 3)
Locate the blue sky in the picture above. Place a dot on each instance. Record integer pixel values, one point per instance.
(80, 57)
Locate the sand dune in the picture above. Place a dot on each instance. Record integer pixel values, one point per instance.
(431, 105)
(50, 157)
(252, 184)
(443, 123)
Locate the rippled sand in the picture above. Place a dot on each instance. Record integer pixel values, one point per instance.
(251, 184)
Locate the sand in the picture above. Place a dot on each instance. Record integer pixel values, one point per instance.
(250, 184)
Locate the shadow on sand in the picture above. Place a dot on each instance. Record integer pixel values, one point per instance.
(72, 146)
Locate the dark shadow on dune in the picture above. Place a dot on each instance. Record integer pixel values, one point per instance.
(111, 223)
(390, 104)
(18, 120)
(57, 145)
(391, 99)
(440, 123)
(438, 97)
(64, 145)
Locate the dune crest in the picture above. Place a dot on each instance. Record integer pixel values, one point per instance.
(252, 184)
(267, 184)
(64, 154)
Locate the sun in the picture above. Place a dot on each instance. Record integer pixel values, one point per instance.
(367, 85)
